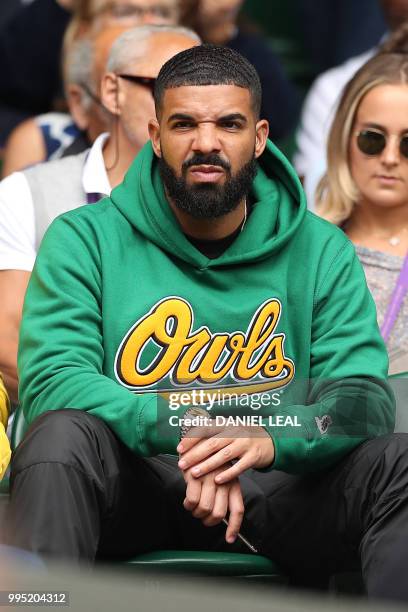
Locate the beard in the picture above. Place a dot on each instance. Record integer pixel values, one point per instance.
(204, 200)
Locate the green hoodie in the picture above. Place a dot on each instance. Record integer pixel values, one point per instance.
(121, 306)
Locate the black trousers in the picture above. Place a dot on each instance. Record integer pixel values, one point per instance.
(78, 493)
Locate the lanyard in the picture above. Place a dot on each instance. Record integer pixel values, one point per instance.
(397, 298)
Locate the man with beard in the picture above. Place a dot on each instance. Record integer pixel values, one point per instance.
(203, 280)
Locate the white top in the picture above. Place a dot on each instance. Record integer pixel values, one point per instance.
(317, 115)
(17, 220)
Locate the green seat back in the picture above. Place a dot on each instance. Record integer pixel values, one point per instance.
(18, 429)
(222, 564)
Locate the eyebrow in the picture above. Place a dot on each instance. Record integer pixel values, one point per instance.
(180, 116)
(185, 117)
(232, 117)
(381, 128)
(376, 126)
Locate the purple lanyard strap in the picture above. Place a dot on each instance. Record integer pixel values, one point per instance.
(397, 298)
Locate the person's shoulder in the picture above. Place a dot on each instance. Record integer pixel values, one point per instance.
(325, 236)
(88, 214)
(84, 227)
(88, 221)
(315, 223)
(60, 166)
(14, 187)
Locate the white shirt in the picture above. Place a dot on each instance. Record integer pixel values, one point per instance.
(17, 219)
(317, 115)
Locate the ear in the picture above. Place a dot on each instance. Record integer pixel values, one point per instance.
(262, 131)
(110, 95)
(77, 109)
(154, 133)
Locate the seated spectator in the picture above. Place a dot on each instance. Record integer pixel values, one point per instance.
(216, 21)
(5, 452)
(320, 105)
(365, 190)
(31, 199)
(203, 274)
(47, 136)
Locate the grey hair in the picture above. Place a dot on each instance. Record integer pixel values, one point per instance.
(130, 46)
(78, 67)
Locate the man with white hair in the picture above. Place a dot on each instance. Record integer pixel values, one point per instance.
(31, 199)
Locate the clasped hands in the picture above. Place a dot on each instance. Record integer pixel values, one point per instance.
(213, 488)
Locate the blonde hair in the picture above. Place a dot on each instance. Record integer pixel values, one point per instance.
(337, 192)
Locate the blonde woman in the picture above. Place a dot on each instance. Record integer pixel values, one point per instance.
(5, 452)
(365, 190)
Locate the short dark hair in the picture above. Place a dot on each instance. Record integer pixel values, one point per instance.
(208, 65)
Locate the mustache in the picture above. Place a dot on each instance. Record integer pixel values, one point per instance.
(212, 159)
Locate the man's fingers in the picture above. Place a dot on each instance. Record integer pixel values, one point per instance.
(201, 452)
(219, 459)
(235, 470)
(197, 434)
(186, 444)
(207, 499)
(220, 508)
(193, 494)
(236, 512)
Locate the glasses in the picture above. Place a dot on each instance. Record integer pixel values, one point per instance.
(148, 82)
(124, 12)
(371, 142)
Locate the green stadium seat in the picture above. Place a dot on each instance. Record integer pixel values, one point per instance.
(217, 564)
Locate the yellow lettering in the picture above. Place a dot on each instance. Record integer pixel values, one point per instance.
(154, 327)
(203, 357)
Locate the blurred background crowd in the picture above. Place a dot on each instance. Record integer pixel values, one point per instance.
(290, 43)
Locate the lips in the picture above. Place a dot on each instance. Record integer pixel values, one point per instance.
(206, 173)
(385, 178)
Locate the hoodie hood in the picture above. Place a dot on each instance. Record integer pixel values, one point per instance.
(279, 206)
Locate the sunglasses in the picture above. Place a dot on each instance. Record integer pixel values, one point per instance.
(371, 142)
(148, 82)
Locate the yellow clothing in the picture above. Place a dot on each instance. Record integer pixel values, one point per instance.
(5, 451)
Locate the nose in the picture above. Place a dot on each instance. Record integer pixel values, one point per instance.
(206, 139)
(391, 153)
(149, 18)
